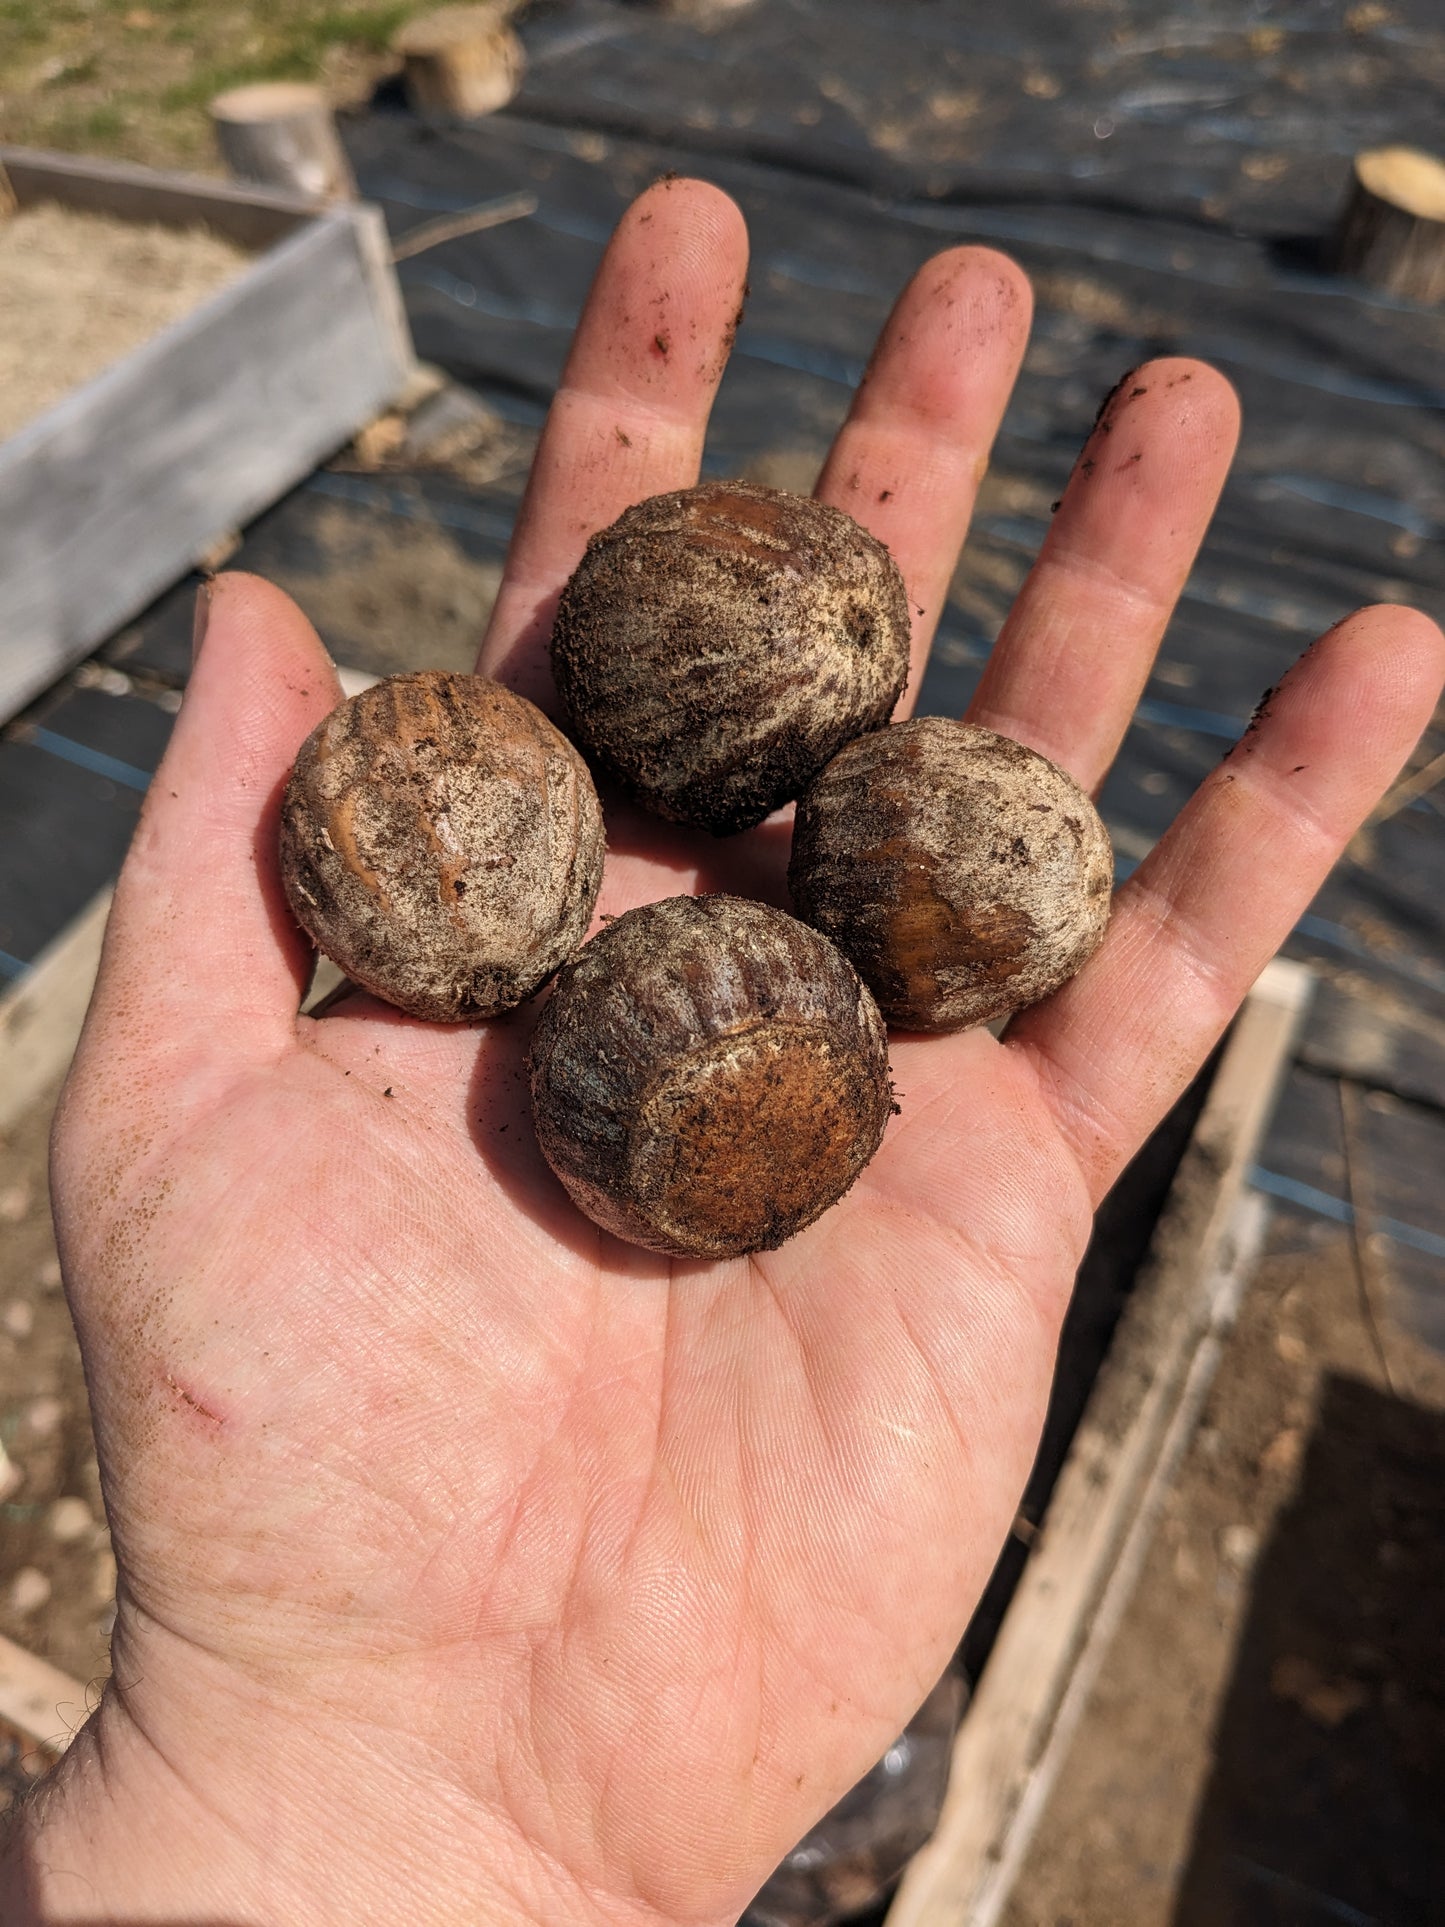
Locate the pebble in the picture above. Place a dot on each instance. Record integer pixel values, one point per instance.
(14, 1202)
(43, 1415)
(1238, 1545)
(29, 1591)
(19, 1318)
(11, 1477)
(70, 1519)
(49, 1275)
(1282, 1455)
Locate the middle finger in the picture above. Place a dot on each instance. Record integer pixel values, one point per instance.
(908, 460)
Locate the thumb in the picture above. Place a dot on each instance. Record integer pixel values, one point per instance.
(201, 950)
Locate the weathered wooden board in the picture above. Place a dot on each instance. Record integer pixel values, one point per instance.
(116, 491)
(1092, 1543)
(252, 217)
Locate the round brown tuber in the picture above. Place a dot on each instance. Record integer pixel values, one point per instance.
(442, 842)
(716, 646)
(962, 874)
(709, 1076)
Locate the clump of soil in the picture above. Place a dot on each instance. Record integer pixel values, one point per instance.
(79, 292)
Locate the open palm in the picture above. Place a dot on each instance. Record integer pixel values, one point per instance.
(547, 1577)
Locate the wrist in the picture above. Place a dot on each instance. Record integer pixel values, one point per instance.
(281, 1826)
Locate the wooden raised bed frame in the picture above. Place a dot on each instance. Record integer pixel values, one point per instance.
(114, 493)
(1090, 1550)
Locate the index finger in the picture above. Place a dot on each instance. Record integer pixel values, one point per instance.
(629, 417)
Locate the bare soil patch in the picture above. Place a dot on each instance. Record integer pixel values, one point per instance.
(1266, 1739)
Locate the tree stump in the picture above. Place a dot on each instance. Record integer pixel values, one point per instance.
(1392, 228)
(460, 61)
(282, 134)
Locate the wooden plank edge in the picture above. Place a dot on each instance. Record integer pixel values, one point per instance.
(38, 1701)
(373, 245)
(41, 169)
(1115, 1450)
(1226, 1290)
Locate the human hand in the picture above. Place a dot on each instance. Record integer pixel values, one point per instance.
(474, 1566)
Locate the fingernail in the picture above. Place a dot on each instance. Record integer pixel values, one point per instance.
(201, 617)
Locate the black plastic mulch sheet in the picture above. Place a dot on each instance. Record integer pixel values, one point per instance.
(1166, 181)
(1169, 177)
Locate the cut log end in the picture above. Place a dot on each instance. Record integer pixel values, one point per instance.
(461, 62)
(1391, 231)
(451, 26)
(283, 134)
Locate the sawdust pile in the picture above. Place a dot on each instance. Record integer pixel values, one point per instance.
(79, 291)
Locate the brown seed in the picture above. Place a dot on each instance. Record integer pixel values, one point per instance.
(716, 646)
(963, 875)
(708, 1076)
(442, 842)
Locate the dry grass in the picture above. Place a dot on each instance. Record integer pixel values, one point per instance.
(113, 77)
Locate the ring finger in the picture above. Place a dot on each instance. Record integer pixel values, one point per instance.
(1079, 643)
